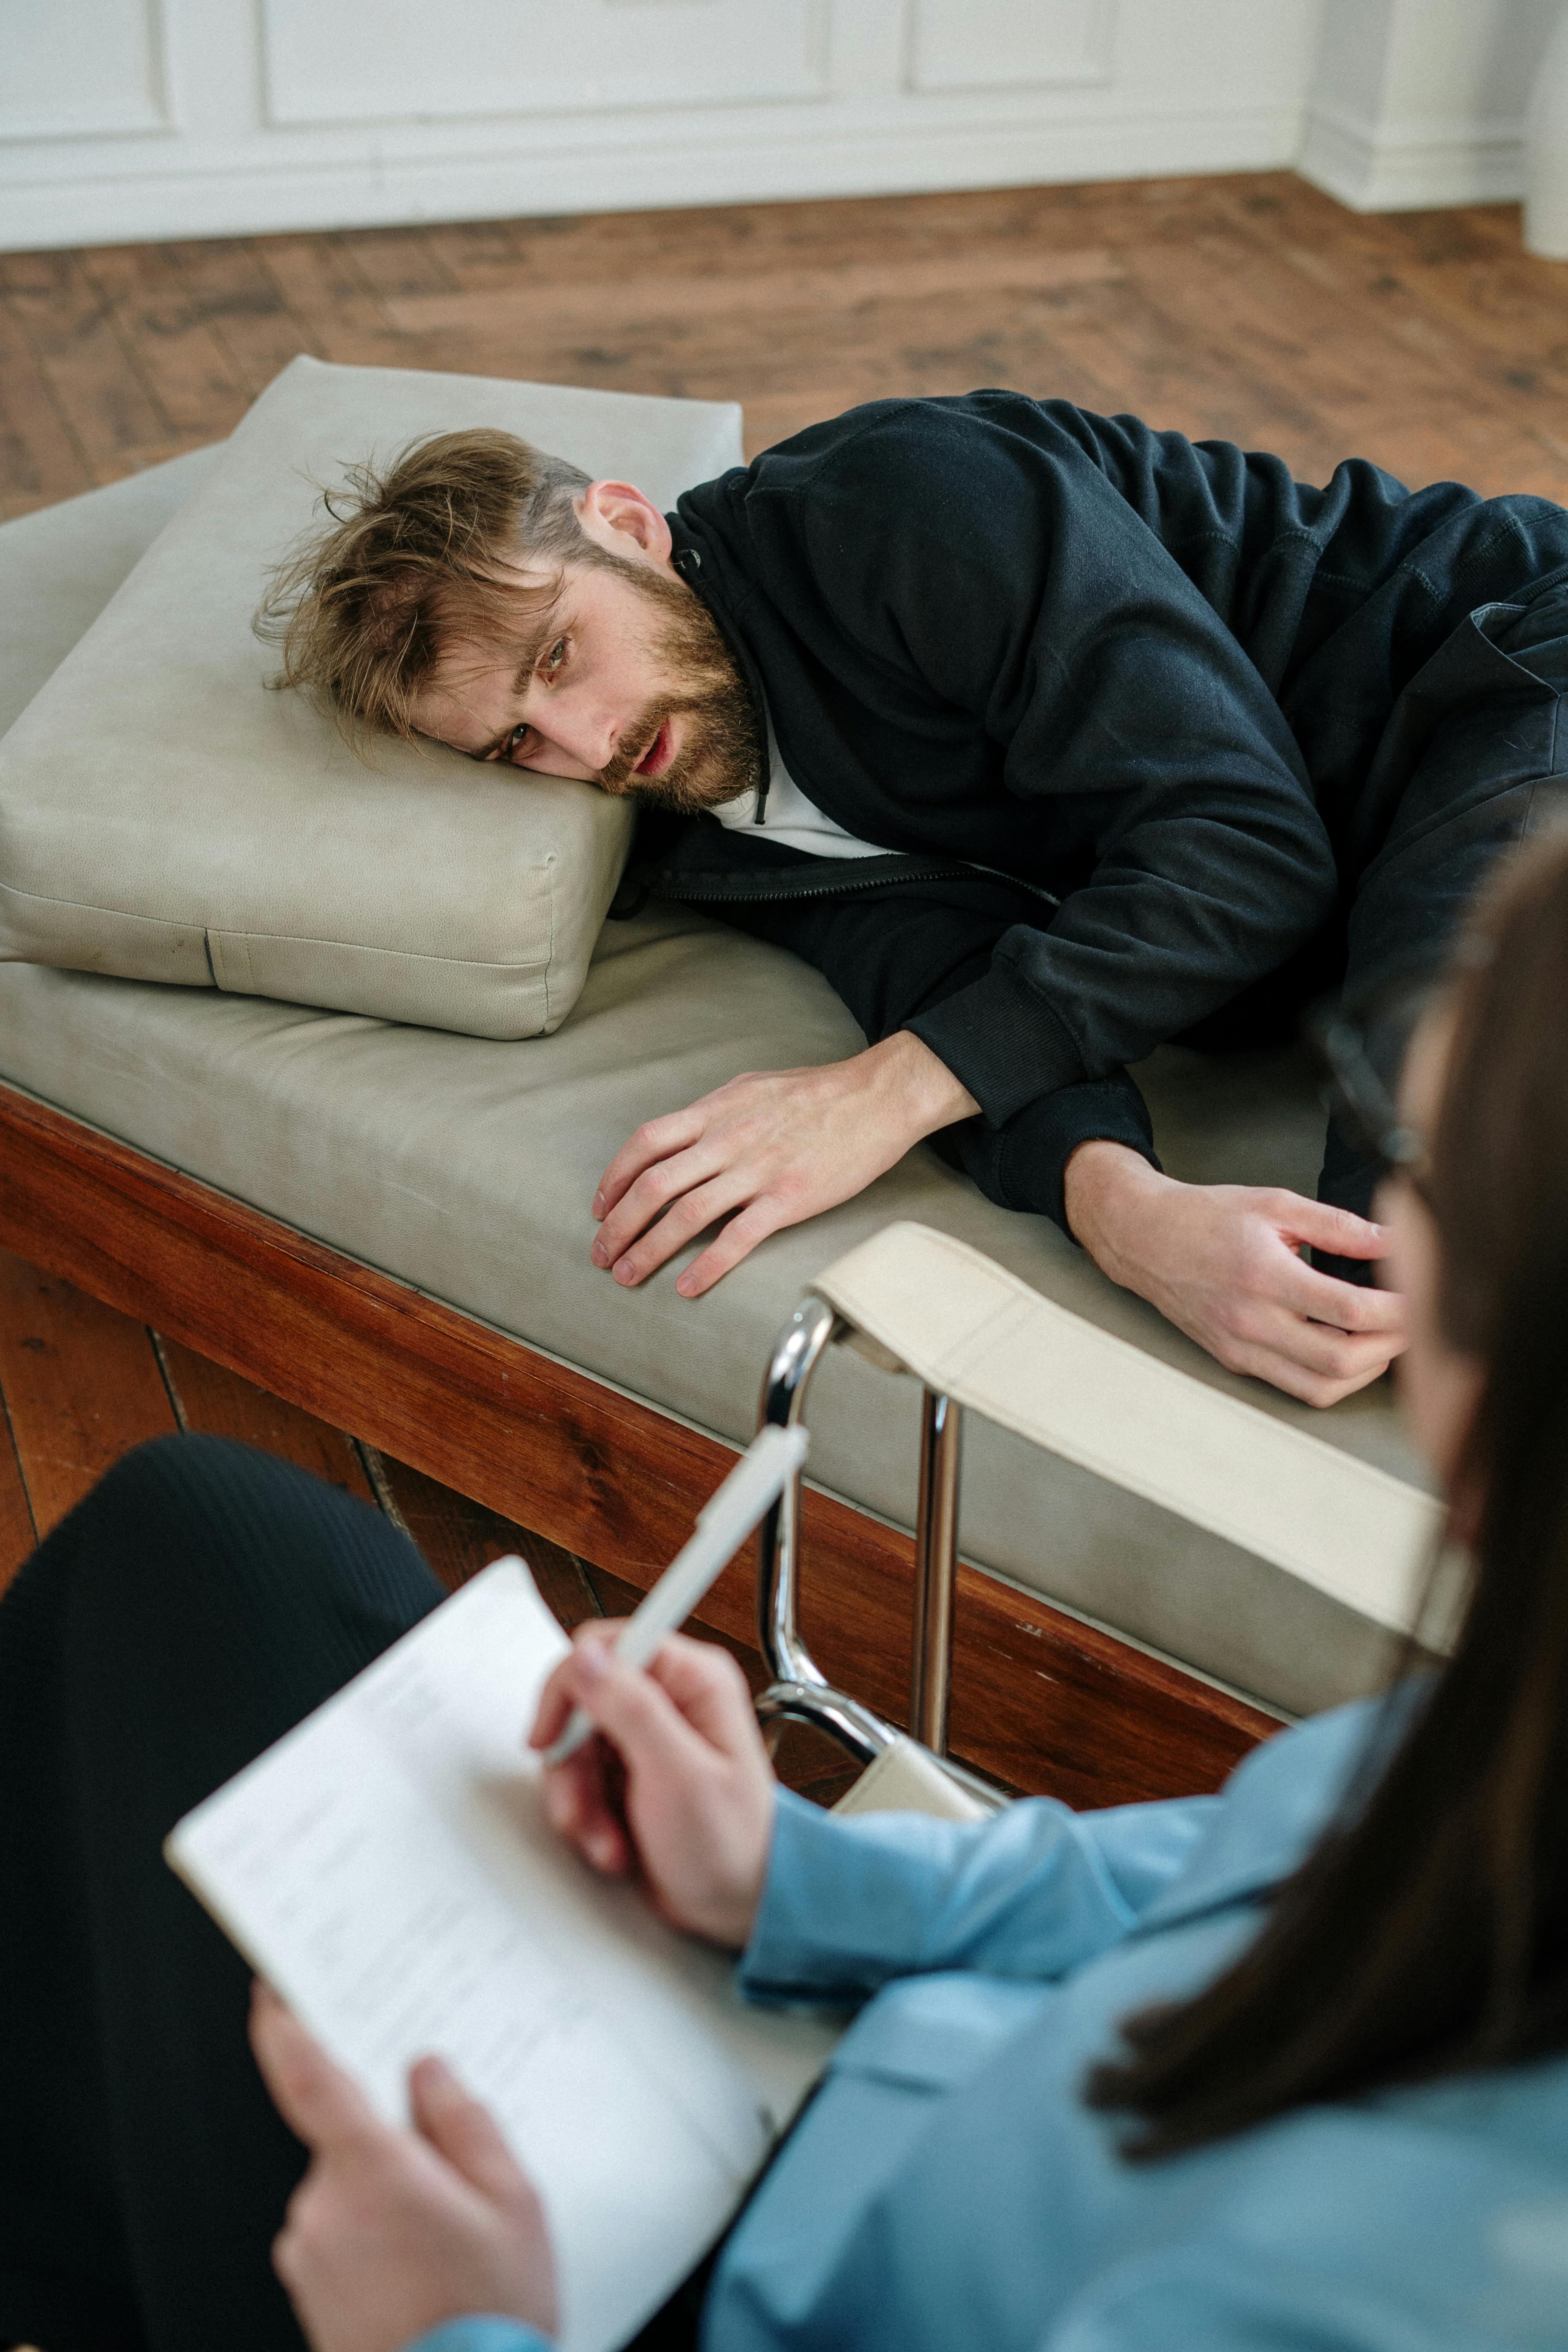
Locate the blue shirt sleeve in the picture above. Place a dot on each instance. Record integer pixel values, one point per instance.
(481, 2332)
(850, 1904)
(1285, 2298)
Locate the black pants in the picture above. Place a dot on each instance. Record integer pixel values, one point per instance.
(199, 1602)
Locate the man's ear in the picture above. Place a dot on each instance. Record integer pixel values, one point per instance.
(615, 513)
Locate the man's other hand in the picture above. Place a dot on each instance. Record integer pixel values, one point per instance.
(391, 2231)
(1222, 1262)
(768, 1150)
(678, 1785)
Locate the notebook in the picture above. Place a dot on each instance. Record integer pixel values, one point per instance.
(387, 1867)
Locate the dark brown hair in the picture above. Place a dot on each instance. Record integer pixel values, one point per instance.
(416, 556)
(1428, 1932)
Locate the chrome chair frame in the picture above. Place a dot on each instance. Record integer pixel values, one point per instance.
(800, 1692)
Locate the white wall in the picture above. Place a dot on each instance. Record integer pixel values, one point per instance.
(1422, 102)
(134, 119)
(138, 118)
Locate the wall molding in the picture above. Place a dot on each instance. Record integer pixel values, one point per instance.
(1412, 166)
(122, 112)
(1386, 104)
(952, 45)
(862, 146)
(324, 69)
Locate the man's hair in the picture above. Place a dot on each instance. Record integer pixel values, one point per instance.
(420, 554)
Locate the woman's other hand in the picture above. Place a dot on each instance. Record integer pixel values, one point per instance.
(391, 2232)
(678, 1783)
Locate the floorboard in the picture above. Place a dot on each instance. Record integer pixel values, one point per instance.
(209, 1398)
(17, 1532)
(41, 461)
(80, 1384)
(87, 350)
(459, 1537)
(1250, 307)
(185, 368)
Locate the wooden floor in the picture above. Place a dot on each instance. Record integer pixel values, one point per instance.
(1251, 307)
(80, 1384)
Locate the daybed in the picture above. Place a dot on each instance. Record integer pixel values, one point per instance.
(390, 1225)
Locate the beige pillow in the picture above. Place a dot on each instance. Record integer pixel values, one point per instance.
(165, 817)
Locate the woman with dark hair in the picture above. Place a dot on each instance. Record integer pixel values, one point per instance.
(1286, 2067)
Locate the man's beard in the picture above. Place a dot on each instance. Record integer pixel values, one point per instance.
(720, 755)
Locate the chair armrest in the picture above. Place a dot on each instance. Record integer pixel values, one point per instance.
(924, 1303)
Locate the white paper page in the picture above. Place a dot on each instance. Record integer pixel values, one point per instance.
(387, 1867)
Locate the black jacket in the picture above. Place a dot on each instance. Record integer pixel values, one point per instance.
(1144, 686)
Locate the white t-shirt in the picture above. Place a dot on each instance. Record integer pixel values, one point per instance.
(793, 821)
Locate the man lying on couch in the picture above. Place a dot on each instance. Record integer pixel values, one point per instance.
(1048, 737)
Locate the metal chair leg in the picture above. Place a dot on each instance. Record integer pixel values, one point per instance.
(936, 1568)
(800, 1691)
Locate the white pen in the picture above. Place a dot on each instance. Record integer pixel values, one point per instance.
(723, 1523)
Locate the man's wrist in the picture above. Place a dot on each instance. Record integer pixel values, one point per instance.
(927, 1089)
(1102, 1183)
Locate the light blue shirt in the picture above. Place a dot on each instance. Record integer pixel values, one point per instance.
(947, 2186)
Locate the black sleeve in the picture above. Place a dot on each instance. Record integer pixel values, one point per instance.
(1009, 576)
(1023, 1163)
(895, 957)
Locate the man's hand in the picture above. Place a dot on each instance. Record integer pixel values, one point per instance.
(1220, 1260)
(768, 1150)
(679, 1783)
(390, 2233)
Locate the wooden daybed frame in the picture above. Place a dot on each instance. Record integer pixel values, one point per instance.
(1041, 1700)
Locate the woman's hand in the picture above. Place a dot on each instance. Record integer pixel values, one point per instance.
(390, 2231)
(678, 1784)
(1222, 1262)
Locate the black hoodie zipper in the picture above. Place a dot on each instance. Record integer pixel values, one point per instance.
(742, 888)
(809, 881)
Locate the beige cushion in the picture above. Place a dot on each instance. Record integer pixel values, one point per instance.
(920, 1302)
(466, 1166)
(907, 1779)
(165, 817)
(65, 559)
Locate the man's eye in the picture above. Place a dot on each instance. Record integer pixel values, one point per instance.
(554, 657)
(516, 740)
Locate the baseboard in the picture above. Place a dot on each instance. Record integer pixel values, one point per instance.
(265, 182)
(1413, 166)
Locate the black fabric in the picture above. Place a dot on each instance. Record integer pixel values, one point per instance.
(200, 1601)
(1161, 681)
(893, 975)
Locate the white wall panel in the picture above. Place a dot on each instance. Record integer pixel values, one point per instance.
(326, 113)
(75, 68)
(378, 60)
(1419, 102)
(999, 44)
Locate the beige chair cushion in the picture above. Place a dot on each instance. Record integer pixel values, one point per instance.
(465, 1166)
(65, 560)
(920, 1302)
(165, 817)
